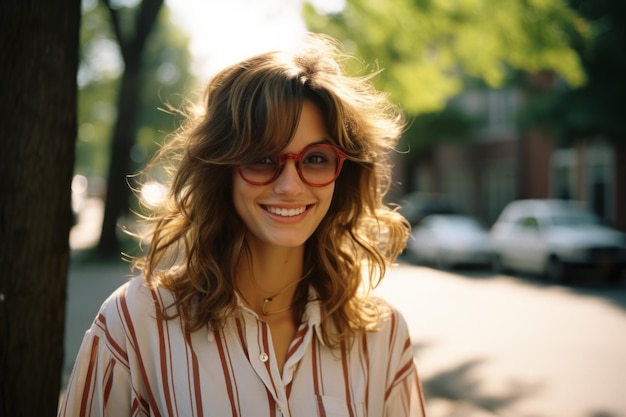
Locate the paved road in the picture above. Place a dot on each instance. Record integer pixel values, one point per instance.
(509, 345)
(516, 345)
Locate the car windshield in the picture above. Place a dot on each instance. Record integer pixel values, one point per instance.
(574, 218)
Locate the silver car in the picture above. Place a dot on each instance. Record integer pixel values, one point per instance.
(549, 237)
(449, 240)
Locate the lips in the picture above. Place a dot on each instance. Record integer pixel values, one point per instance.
(285, 212)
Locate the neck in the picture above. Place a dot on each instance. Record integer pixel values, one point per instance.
(267, 282)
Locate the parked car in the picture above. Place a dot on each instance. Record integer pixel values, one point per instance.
(417, 205)
(549, 237)
(450, 240)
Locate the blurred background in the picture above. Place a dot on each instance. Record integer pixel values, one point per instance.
(516, 308)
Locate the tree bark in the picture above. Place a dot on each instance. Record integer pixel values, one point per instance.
(39, 44)
(124, 132)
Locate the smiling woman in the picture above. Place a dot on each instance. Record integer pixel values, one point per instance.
(250, 300)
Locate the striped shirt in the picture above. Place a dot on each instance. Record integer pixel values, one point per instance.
(133, 362)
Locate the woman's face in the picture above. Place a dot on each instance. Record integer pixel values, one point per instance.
(286, 212)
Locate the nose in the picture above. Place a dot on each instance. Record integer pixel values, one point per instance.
(289, 181)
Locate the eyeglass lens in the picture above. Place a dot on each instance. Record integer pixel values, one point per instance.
(316, 165)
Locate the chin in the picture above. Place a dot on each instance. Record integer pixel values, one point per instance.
(289, 242)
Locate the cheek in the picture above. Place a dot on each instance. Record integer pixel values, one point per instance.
(326, 198)
(239, 196)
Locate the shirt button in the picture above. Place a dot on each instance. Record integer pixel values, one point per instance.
(263, 357)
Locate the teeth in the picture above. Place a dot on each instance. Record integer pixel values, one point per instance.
(286, 212)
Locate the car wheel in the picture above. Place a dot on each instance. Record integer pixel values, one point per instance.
(617, 277)
(441, 262)
(555, 270)
(497, 266)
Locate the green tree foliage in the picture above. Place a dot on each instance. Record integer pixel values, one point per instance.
(428, 47)
(100, 66)
(597, 107)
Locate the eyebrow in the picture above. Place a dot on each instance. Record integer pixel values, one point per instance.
(319, 142)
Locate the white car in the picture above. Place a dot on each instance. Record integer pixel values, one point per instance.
(449, 240)
(548, 237)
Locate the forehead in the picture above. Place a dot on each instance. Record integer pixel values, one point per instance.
(310, 129)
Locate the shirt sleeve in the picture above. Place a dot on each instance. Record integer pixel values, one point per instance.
(404, 396)
(100, 384)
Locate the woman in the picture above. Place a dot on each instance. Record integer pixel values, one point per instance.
(254, 295)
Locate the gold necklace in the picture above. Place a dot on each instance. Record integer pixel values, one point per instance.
(269, 299)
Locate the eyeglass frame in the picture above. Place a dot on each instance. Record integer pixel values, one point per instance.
(297, 158)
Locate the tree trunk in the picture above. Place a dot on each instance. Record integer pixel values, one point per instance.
(39, 44)
(118, 192)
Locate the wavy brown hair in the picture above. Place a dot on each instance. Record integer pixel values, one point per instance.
(251, 110)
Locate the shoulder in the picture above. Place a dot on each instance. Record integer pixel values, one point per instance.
(390, 317)
(133, 304)
(391, 331)
(134, 294)
(132, 320)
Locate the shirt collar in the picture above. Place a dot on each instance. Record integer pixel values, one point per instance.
(312, 316)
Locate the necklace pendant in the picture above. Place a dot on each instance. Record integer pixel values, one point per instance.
(266, 301)
(263, 309)
(271, 298)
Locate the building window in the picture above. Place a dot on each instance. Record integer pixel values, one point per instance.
(595, 166)
(563, 178)
(599, 179)
(500, 188)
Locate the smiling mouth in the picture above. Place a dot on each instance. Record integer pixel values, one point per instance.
(285, 212)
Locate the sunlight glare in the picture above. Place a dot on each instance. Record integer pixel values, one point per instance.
(226, 32)
(153, 194)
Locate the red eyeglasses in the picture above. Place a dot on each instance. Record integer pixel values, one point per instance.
(317, 165)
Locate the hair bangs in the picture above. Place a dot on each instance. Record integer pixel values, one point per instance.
(263, 111)
(274, 117)
(339, 121)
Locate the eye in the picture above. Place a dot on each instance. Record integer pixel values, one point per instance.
(265, 161)
(319, 156)
(315, 158)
